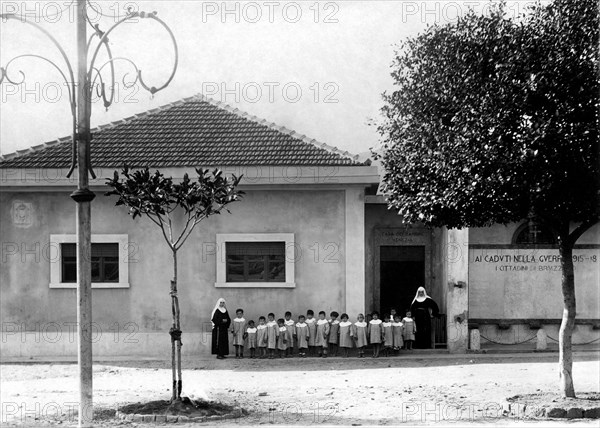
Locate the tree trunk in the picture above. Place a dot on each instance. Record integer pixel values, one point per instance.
(175, 335)
(565, 359)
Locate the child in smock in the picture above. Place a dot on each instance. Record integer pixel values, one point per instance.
(345, 335)
(238, 329)
(301, 336)
(359, 334)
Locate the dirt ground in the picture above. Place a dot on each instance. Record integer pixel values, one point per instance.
(435, 390)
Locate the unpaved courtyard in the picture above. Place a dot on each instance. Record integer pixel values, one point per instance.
(415, 389)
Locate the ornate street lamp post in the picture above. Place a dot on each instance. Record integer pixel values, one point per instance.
(89, 77)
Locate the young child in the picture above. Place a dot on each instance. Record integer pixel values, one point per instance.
(312, 332)
(301, 335)
(322, 334)
(261, 337)
(410, 328)
(334, 333)
(238, 329)
(393, 313)
(290, 331)
(272, 335)
(397, 331)
(359, 334)
(345, 335)
(282, 337)
(251, 338)
(375, 333)
(368, 319)
(388, 335)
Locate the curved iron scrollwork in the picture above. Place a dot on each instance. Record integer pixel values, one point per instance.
(104, 87)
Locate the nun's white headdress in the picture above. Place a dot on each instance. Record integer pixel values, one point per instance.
(218, 308)
(420, 298)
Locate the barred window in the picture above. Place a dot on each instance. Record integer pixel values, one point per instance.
(105, 262)
(255, 261)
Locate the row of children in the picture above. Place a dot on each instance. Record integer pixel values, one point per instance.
(321, 336)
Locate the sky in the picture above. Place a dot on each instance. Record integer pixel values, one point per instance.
(318, 68)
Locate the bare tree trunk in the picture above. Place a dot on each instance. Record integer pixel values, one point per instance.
(565, 359)
(175, 335)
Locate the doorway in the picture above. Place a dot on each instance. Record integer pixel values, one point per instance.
(402, 271)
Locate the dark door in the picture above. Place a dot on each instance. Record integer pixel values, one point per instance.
(402, 271)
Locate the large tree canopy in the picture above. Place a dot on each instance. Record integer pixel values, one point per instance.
(495, 118)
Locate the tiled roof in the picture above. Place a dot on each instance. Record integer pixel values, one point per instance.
(195, 131)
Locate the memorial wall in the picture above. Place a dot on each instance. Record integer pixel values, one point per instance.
(508, 282)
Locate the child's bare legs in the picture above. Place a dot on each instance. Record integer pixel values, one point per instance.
(237, 351)
(345, 352)
(361, 352)
(241, 351)
(376, 347)
(324, 354)
(252, 353)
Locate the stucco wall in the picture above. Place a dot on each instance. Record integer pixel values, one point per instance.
(136, 320)
(511, 283)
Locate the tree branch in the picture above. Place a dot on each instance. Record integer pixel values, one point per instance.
(580, 230)
(183, 231)
(162, 227)
(170, 228)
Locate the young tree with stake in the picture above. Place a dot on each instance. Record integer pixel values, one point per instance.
(157, 197)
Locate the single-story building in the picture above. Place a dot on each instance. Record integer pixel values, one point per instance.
(312, 228)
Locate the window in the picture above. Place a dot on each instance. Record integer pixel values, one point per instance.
(530, 233)
(255, 260)
(105, 262)
(109, 258)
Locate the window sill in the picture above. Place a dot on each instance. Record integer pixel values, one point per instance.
(255, 284)
(94, 285)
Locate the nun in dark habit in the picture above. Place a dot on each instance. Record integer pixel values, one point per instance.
(220, 322)
(423, 309)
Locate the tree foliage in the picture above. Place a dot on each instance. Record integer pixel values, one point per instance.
(495, 118)
(156, 196)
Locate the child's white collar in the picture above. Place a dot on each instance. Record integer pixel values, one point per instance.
(335, 322)
(300, 324)
(345, 323)
(261, 326)
(321, 322)
(360, 323)
(289, 322)
(242, 319)
(310, 320)
(377, 321)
